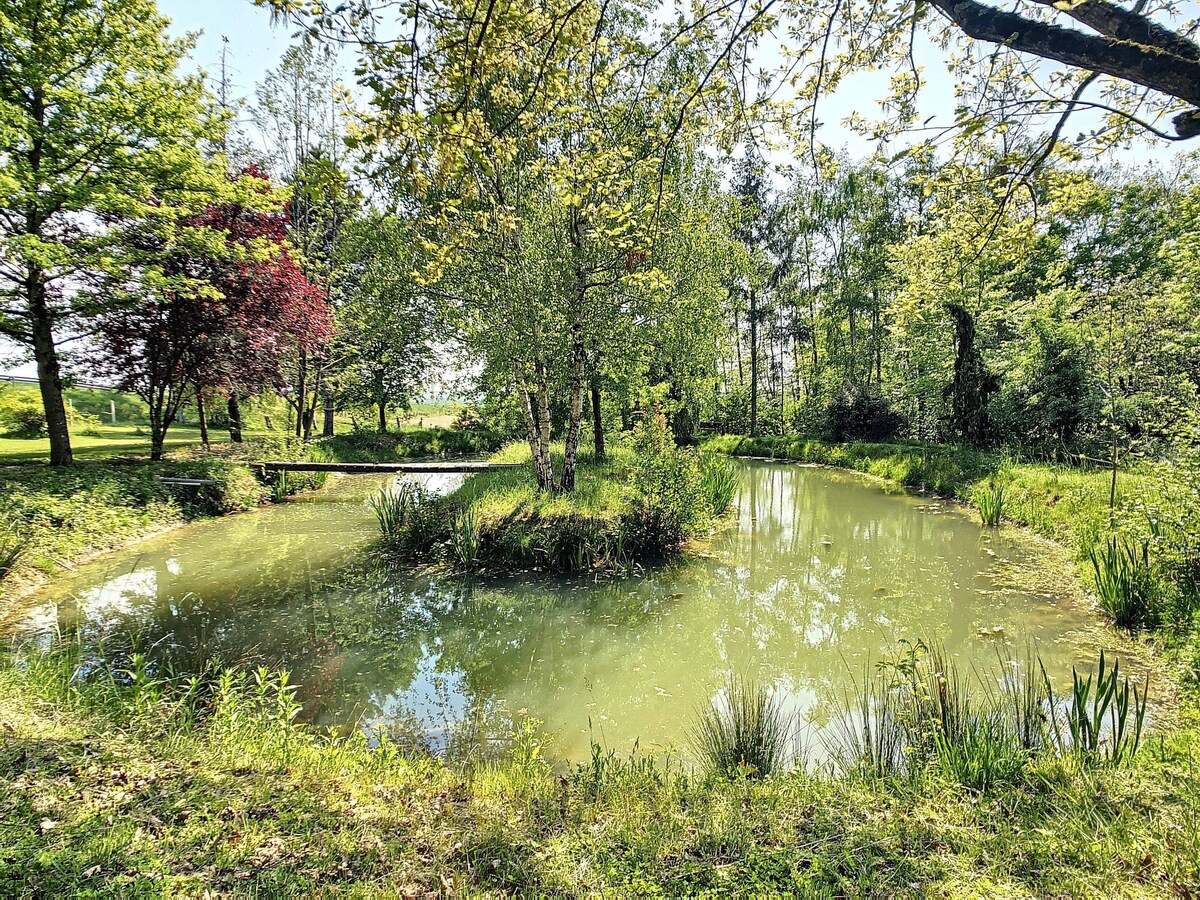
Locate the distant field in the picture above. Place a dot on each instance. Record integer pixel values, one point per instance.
(113, 440)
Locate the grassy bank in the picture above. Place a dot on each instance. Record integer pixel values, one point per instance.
(52, 518)
(628, 508)
(130, 786)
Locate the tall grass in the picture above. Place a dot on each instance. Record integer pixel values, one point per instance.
(407, 514)
(465, 534)
(1096, 725)
(1125, 582)
(990, 499)
(917, 712)
(744, 731)
(12, 548)
(719, 481)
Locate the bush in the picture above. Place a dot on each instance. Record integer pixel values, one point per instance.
(21, 413)
(861, 416)
(671, 502)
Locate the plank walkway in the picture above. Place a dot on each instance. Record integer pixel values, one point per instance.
(372, 468)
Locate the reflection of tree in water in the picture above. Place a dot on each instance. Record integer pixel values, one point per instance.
(822, 573)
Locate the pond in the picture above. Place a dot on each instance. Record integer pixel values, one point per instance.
(818, 575)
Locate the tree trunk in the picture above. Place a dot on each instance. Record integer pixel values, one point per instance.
(597, 422)
(235, 419)
(48, 371)
(158, 422)
(571, 450)
(382, 405)
(327, 425)
(310, 406)
(302, 393)
(753, 364)
(541, 461)
(202, 416)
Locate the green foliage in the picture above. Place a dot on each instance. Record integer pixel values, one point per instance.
(364, 445)
(990, 499)
(745, 732)
(224, 750)
(61, 515)
(12, 548)
(1125, 582)
(410, 518)
(667, 483)
(916, 712)
(21, 413)
(464, 534)
(1096, 726)
(720, 482)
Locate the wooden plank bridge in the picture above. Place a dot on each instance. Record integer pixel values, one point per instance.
(382, 468)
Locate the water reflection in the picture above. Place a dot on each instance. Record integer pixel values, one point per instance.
(819, 574)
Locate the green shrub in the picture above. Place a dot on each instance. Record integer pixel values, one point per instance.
(671, 502)
(21, 413)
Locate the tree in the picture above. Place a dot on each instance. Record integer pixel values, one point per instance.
(216, 304)
(94, 123)
(299, 111)
(386, 321)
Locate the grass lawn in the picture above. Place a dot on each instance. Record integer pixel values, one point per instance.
(110, 440)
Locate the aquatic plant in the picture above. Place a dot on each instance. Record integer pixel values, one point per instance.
(403, 512)
(990, 499)
(1097, 724)
(318, 453)
(982, 753)
(465, 534)
(744, 731)
(279, 487)
(869, 737)
(719, 481)
(1125, 582)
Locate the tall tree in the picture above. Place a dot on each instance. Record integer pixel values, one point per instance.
(216, 304)
(95, 122)
(387, 322)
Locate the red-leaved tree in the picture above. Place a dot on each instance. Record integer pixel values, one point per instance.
(220, 307)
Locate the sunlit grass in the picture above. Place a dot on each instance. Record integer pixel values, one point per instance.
(132, 783)
(110, 440)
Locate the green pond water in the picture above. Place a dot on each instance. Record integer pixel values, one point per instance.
(818, 575)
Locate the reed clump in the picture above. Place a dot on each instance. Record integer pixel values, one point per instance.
(990, 500)
(916, 713)
(1125, 582)
(745, 731)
